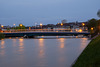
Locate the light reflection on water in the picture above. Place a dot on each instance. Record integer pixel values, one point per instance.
(2, 46)
(83, 43)
(41, 52)
(21, 46)
(61, 42)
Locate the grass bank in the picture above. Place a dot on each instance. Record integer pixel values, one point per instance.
(2, 36)
(90, 57)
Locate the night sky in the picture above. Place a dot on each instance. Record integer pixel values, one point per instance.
(29, 12)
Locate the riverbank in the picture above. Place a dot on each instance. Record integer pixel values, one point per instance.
(90, 57)
(1, 36)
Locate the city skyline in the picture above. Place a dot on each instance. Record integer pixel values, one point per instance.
(29, 12)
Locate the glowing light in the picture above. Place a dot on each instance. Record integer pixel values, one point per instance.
(61, 24)
(21, 46)
(21, 40)
(91, 28)
(76, 30)
(20, 25)
(84, 43)
(2, 44)
(40, 24)
(41, 42)
(42, 36)
(71, 31)
(29, 28)
(58, 23)
(41, 39)
(14, 24)
(2, 26)
(80, 30)
(62, 42)
(56, 31)
(83, 24)
(41, 47)
(16, 37)
(86, 29)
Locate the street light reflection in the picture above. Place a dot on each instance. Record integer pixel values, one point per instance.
(21, 46)
(83, 43)
(61, 42)
(2, 44)
(2, 52)
(41, 44)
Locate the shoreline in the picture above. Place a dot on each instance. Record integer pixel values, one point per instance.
(87, 57)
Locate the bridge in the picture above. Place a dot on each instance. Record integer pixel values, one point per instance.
(44, 32)
(33, 34)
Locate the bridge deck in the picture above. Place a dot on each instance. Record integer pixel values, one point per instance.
(30, 34)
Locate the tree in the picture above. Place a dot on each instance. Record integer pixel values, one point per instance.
(64, 21)
(92, 23)
(2, 36)
(21, 26)
(98, 25)
(98, 13)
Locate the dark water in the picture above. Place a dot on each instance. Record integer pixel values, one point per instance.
(41, 52)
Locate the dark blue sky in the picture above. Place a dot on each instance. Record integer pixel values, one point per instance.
(29, 12)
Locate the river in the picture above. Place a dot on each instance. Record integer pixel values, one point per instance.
(40, 52)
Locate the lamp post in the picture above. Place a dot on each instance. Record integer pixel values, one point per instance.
(92, 30)
(62, 25)
(14, 24)
(83, 24)
(20, 25)
(2, 26)
(41, 25)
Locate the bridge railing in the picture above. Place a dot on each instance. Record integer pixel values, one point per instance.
(44, 30)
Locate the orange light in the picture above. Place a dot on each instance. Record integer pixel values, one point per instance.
(21, 25)
(83, 24)
(14, 24)
(62, 42)
(61, 24)
(91, 28)
(71, 31)
(40, 24)
(80, 30)
(21, 40)
(57, 23)
(2, 26)
(76, 30)
(29, 28)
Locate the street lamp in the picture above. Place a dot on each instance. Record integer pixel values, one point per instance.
(41, 25)
(80, 30)
(20, 25)
(13, 27)
(92, 28)
(14, 24)
(2, 26)
(83, 24)
(61, 24)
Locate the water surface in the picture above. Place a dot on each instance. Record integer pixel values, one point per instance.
(60, 52)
